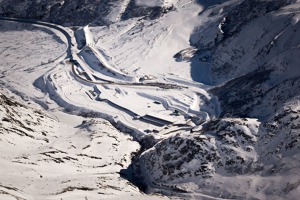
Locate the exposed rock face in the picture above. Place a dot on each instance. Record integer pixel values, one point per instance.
(222, 146)
(80, 12)
(229, 154)
(251, 48)
(241, 37)
(134, 10)
(250, 151)
(19, 121)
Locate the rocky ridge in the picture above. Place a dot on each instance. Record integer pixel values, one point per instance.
(252, 149)
(81, 12)
(254, 67)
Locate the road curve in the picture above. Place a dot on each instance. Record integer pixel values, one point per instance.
(72, 55)
(71, 51)
(47, 24)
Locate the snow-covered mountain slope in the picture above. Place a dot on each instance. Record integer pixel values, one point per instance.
(147, 47)
(251, 49)
(46, 153)
(253, 57)
(46, 158)
(210, 89)
(228, 158)
(80, 12)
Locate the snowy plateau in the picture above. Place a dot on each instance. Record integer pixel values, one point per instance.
(149, 99)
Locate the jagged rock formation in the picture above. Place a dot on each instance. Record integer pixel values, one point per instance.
(251, 48)
(222, 146)
(81, 12)
(250, 151)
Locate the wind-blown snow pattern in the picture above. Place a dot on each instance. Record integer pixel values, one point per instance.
(135, 99)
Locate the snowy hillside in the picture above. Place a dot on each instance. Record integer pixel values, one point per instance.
(255, 67)
(46, 152)
(186, 99)
(79, 12)
(43, 158)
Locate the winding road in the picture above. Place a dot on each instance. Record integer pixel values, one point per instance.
(72, 52)
(53, 26)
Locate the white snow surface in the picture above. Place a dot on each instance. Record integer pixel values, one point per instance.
(71, 156)
(154, 3)
(147, 47)
(64, 158)
(82, 107)
(45, 152)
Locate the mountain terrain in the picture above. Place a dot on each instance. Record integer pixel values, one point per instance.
(186, 99)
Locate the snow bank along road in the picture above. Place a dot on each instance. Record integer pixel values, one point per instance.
(94, 87)
(49, 154)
